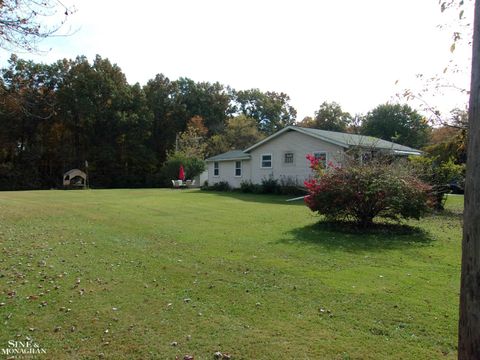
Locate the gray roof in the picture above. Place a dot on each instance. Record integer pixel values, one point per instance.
(230, 155)
(347, 140)
(344, 139)
(341, 139)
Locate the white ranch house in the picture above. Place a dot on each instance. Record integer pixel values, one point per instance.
(283, 155)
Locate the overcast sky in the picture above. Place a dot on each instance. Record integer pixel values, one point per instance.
(347, 51)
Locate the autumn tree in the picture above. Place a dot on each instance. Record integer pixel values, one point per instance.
(192, 141)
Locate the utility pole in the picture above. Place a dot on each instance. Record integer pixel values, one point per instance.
(469, 324)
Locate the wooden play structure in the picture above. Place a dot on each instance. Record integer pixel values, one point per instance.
(75, 178)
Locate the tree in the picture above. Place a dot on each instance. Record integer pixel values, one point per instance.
(469, 323)
(271, 110)
(240, 132)
(193, 166)
(22, 22)
(192, 142)
(211, 101)
(330, 117)
(397, 123)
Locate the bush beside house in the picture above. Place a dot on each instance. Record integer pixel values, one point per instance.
(362, 192)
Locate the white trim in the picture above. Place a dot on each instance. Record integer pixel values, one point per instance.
(403, 152)
(235, 169)
(271, 161)
(232, 159)
(218, 169)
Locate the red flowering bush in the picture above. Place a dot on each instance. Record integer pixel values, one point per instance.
(359, 193)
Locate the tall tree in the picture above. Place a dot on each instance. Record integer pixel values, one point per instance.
(397, 123)
(240, 133)
(271, 110)
(329, 116)
(469, 324)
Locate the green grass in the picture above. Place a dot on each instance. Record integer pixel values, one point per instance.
(263, 279)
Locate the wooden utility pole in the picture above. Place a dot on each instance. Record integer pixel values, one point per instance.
(469, 324)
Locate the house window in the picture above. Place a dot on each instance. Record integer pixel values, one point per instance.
(321, 156)
(216, 169)
(267, 161)
(238, 168)
(288, 158)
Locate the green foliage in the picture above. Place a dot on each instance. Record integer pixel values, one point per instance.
(218, 186)
(284, 186)
(271, 110)
(397, 123)
(330, 117)
(270, 185)
(192, 142)
(436, 172)
(360, 193)
(192, 166)
(249, 187)
(240, 132)
(55, 117)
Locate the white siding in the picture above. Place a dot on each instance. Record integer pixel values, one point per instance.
(300, 145)
(200, 179)
(227, 173)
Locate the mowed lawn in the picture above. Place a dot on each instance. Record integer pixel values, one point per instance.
(126, 274)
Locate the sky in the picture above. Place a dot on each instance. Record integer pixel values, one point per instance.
(356, 53)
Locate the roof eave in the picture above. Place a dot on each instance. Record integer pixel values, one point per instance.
(230, 159)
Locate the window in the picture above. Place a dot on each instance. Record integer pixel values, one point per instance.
(238, 168)
(322, 158)
(288, 158)
(266, 161)
(216, 169)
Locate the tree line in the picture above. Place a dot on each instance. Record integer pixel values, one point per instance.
(55, 117)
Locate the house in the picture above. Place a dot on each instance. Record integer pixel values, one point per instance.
(282, 156)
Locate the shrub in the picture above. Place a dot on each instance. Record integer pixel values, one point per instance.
(249, 187)
(193, 166)
(289, 186)
(270, 186)
(363, 192)
(219, 186)
(435, 172)
(441, 175)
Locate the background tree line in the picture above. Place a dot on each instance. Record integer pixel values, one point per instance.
(55, 117)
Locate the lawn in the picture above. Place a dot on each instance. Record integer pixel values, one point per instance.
(157, 273)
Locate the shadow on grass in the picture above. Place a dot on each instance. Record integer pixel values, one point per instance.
(448, 213)
(350, 237)
(257, 198)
